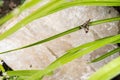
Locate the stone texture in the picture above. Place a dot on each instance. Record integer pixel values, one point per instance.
(42, 55)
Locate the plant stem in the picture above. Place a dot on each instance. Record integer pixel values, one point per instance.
(65, 33)
(108, 71)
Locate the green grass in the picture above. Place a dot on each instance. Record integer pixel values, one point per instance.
(105, 73)
(64, 33)
(106, 55)
(50, 7)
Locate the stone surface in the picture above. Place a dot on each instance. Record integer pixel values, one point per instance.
(42, 55)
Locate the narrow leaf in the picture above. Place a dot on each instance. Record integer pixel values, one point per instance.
(107, 72)
(43, 11)
(71, 56)
(106, 55)
(25, 72)
(64, 33)
(22, 72)
(35, 15)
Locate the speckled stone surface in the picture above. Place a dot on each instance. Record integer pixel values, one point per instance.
(42, 55)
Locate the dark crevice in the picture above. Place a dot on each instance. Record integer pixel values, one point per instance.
(118, 76)
(8, 5)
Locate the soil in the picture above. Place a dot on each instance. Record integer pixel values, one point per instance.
(117, 8)
(8, 5)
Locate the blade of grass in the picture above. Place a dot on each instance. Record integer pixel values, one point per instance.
(25, 73)
(106, 55)
(43, 11)
(69, 53)
(86, 3)
(37, 14)
(64, 33)
(22, 72)
(108, 71)
(76, 49)
(65, 59)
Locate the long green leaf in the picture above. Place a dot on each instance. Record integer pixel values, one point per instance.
(68, 57)
(87, 3)
(106, 55)
(25, 72)
(64, 33)
(22, 72)
(65, 59)
(107, 72)
(43, 11)
(37, 14)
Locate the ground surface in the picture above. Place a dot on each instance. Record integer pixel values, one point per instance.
(9, 5)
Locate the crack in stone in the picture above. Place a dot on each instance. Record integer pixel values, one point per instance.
(51, 51)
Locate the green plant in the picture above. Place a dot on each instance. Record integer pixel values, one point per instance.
(49, 8)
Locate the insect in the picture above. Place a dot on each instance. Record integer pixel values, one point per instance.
(85, 26)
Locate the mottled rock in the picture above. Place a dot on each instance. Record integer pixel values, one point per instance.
(42, 55)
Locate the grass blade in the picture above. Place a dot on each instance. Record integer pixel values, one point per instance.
(37, 14)
(43, 11)
(64, 33)
(106, 55)
(22, 72)
(86, 3)
(26, 73)
(71, 56)
(108, 71)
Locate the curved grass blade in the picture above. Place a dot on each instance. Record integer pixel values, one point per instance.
(87, 3)
(37, 14)
(108, 71)
(31, 3)
(42, 11)
(106, 55)
(69, 56)
(64, 33)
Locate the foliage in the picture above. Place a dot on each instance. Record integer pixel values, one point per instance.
(51, 7)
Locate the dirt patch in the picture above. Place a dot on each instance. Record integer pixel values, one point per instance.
(8, 5)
